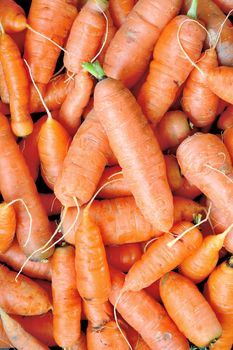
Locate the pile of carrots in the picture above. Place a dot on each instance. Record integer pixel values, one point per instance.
(116, 177)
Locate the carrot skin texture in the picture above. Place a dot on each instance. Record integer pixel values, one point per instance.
(19, 184)
(18, 85)
(7, 226)
(4, 94)
(204, 151)
(19, 297)
(160, 259)
(154, 198)
(224, 5)
(111, 32)
(66, 300)
(189, 316)
(119, 10)
(12, 16)
(98, 314)
(185, 209)
(227, 139)
(220, 81)
(138, 309)
(164, 78)
(226, 118)
(124, 256)
(130, 42)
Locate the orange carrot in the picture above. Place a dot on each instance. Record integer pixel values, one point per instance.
(139, 309)
(119, 10)
(4, 94)
(98, 314)
(227, 139)
(4, 341)
(17, 84)
(114, 189)
(160, 259)
(224, 5)
(151, 17)
(66, 300)
(211, 172)
(165, 77)
(4, 108)
(124, 256)
(93, 277)
(226, 119)
(7, 226)
(18, 336)
(216, 77)
(50, 203)
(24, 297)
(14, 257)
(145, 165)
(12, 16)
(189, 309)
(52, 19)
(186, 209)
(153, 291)
(120, 221)
(16, 183)
(198, 101)
(105, 42)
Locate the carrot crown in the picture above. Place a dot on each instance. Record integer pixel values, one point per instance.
(95, 69)
(192, 12)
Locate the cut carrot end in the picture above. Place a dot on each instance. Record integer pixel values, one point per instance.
(22, 129)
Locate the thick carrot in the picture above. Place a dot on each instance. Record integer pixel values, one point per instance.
(151, 17)
(17, 183)
(165, 77)
(198, 101)
(80, 175)
(226, 118)
(160, 259)
(119, 10)
(50, 203)
(17, 84)
(189, 309)
(105, 42)
(205, 162)
(12, 16)
(4, 93)
(66, 300)
(224, 5)
(54, 20)
(139, 309)
(24, 297)
(75, 102)
(98, 314)
(14, 257)
(220, 80)
(145, 165)
(92, 272)
(124, 256)
(225, 342)
(18, 336)
(120, 221)
(185, 209)
(7, 226)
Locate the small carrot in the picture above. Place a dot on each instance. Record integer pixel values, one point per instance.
(7, 226)
(189, 309)
(12, 16)
(185, 209)
(119, 10)
(124, 256)
(66, 300)
(226, 118)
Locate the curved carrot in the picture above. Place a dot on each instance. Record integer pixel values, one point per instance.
(119, 10)
(160, 258)
(226, 118)
(7, 226)
(19, 297)
(140, 166)
(12, 16)
(211, 172)
(52, 19)
(124, 256)
(16, 184)
(151, 17)
(198, 101)
(165, 78)
(189, 309)
(120, 221)
(17, 84)
(139, 309)
(66, 300)
(14, 257)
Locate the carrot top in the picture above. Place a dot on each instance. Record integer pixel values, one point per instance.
(192, 12)
(95, 69)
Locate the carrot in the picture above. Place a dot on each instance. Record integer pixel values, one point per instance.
(160, 259)
(19, 297)
(80, 175)
(114, 189)
(105, 42)
(7, 226)
(124, 256)
(18, 336)
(226, 340)
(17, 85)
(12, 16)
(50, 203)
(224, 5)
(145, 166)
(189, 309)
(120, 221)
(172, 129)
(81, 344)
(16, 183)
(4, 108)
(209, 13)
(66, 300)
(211, 172)
(75, 102)
(93, 277)
(139, 309)
(185, 209)
(203, 261)
(153, 291)
(99, 315)
(216, 77)
(119, 10)
(4, 94)
(52, 19)
(4, 341)
(165, 78)
(85, 36)
(19, 38)
(198, 101)
(128, 39)
(226, 118)
(227, 139)
(14, 257)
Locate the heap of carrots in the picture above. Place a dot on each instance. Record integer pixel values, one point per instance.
(116, 177)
